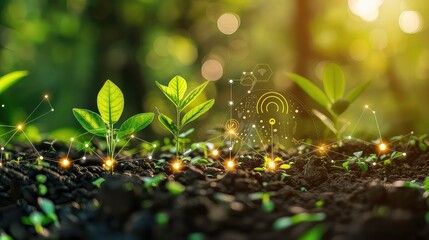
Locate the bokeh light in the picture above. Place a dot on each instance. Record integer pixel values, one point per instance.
(410, 22)
(228, 23)
(212, 70)
(365, 9)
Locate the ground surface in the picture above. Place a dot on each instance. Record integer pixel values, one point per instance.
(220, 204)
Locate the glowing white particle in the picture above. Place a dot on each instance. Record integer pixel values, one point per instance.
(46, 96)
(296, 111)
(231, 81)
(150, 157)
(231, 103)
(83, 158)
(404, 154)
(71, 139)
(374, 163)
(2, 148)
(154, 145)
(86, 145)
(2, 105)
(253, 126)
(366, 106)
(41, 157)
(52, 109)
(373, 112)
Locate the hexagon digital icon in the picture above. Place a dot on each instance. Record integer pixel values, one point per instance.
(262, 72)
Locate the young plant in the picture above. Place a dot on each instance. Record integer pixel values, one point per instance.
(333, 98)
(110, 102)
(175, 92)
(271, 165)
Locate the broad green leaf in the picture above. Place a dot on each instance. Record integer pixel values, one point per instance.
(168, 123)
(110, 102)
(192, 95)
(312, 90)
(333, 81)
(197, 111)
(169, 93)
(90, 121)
(325, 120)
(356, 92)
(339, 106)
(135, 124)
(4, 236)
(9, 79)
(363, 166)
(179, 86)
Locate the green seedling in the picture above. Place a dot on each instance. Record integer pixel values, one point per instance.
(361, 162)
(265, 197)
(314, 233)
(38, 220)
(4, 236)
(175, 188)
(9, 79)
(97, 182)
(272, 165)
(151, 182)
(285, 222)
(110, 102)
(175, 92)
(41, 188)
(333, 99)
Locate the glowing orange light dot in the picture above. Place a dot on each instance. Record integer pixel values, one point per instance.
(19, 127)
(177, 165)
(65, 163)
(382, 147)
(271, 165)
(230, 164)
(215, 152)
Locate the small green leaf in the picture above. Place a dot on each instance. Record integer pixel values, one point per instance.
(315, 233)
(42, 190)
(286, 222)
(333, 81)
(135, 124)
(356, 92)
(363, 166)
(48, 208)
(325, 120)
(97, 182)
(259, 169)
(90, 121)
(167, 123)
(162, 218)
(339, 106)
(192, 95)
(4, 236)
(197, 111)
(41, 178)
(9, 79)
(312, 90)
(175, 188)
(285, 166)
(169, 93)
(110, 102)
(179, 86)
(358, 154)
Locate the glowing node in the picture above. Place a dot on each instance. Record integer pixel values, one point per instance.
(19, 127)
(2, 105)
(215, 152)
(132, 136)
(230, 148)
(1, 164)
(374, 163)
(71, 139)
(231, 81)
(230, 103)
(154, 145)
(65, 163)
(322, 148)
(52, 109)
(349, 137)
(46, 96)
(230, 164)
(2, 148)
(177, 165)
(118, 140)
(366, 106)
(108, 163)
(271, 165)
(404, 154)
(150, 157)
(272, 121)
(249, 91)
(373, 112)
(87, 145)
(83, 158)
(253, 126)
(41, 157)
(412, 132)
(382, 147)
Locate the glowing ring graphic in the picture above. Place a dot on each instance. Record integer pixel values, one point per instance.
(272, 98)
(232, 125)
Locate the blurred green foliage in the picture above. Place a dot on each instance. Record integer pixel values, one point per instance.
(70, 47)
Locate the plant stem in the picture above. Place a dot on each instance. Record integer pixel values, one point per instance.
(178, 132)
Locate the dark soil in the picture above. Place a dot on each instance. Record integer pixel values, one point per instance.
(219, 204)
